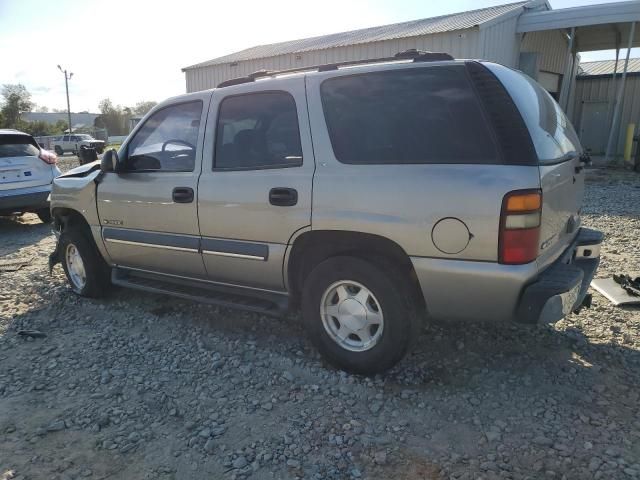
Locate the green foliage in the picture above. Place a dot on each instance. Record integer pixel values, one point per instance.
(41, 128)
(143, 107)
(114, 118)
(15, 100)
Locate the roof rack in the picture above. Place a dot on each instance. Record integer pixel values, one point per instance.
(411, 54)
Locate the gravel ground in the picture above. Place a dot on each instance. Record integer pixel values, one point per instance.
(139, 386)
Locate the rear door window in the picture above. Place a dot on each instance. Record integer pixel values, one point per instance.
(258, 130)
(427, 115)
(18, 146)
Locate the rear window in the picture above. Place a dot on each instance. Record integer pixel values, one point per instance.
(552, 133)
(18, 146)
(409, 116)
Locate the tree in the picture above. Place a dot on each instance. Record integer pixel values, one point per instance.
(38, 128)
(16, 99)
(113, 117)
(42, 109)
(143, 107)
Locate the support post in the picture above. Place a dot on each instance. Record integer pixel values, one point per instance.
(611, 144)
(66, 84)
(566, 80)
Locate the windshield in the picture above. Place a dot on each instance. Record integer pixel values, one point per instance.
(85, 137)
(18, 146)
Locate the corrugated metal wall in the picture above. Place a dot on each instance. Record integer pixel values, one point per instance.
(496, 42)
(553, 48)
(460, 44)
(500, 42)
(598, 89)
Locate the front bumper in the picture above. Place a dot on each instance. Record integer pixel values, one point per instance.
(24, 199)
(562, 287)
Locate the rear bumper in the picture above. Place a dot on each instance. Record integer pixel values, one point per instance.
(562, 287)
(471, 290)
(24, 199)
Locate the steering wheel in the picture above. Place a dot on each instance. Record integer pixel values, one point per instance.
(177, 140)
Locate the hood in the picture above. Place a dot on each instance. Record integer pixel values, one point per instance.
(82, 170)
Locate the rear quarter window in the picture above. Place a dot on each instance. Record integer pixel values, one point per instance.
(427, 115)
(553, 135)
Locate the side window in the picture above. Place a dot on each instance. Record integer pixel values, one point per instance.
(425, 115)
(167, 140)
(258, 130)
(65, 138)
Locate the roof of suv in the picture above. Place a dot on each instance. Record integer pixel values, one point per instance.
(408, 56)
(11, 131)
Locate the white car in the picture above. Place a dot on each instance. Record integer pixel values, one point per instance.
(72, 143)
(26, 175)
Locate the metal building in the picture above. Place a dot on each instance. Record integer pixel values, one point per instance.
(527, 35)
(594, 98)
(487, 33)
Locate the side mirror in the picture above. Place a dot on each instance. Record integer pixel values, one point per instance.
(110, 161)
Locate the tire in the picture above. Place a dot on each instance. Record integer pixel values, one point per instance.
(97, 274)
(387, 292)
(44, 214)
(58, 150)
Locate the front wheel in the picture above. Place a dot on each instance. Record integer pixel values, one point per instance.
(360, 317)
(59, 150)
(86, 270)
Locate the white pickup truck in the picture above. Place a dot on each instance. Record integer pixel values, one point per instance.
(72, 143)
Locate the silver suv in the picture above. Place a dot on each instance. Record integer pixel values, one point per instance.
(371, 196)
(26, 174)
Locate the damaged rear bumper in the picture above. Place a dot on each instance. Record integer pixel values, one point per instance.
(562, 287)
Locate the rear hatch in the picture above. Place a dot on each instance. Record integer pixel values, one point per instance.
(559, 153)
(20, 166)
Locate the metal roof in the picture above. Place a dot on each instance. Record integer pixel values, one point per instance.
(598, 27)
(605, 67)
(413, 28)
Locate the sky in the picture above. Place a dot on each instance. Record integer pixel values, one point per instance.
(133, 50)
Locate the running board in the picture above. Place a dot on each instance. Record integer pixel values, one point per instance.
(259, 301)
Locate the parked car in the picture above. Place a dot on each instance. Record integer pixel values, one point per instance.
(26, 174)
(371, 196)
(72, 143)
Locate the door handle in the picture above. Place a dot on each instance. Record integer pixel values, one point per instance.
(283, 197)
(182, 195)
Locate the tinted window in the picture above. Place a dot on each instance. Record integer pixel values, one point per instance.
(258, 130)
(18, 146)
(417, 115)
(65, 139)
(552, 133)
(167, 140)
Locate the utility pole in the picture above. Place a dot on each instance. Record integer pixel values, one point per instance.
(66, 84)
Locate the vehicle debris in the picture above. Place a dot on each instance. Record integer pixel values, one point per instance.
(620, 289)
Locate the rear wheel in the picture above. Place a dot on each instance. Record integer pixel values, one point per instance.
(59, 150)
(359, 315)
(44, 214)
(86, 270)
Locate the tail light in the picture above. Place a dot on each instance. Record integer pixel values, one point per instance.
(520, 227)
(48, 157)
